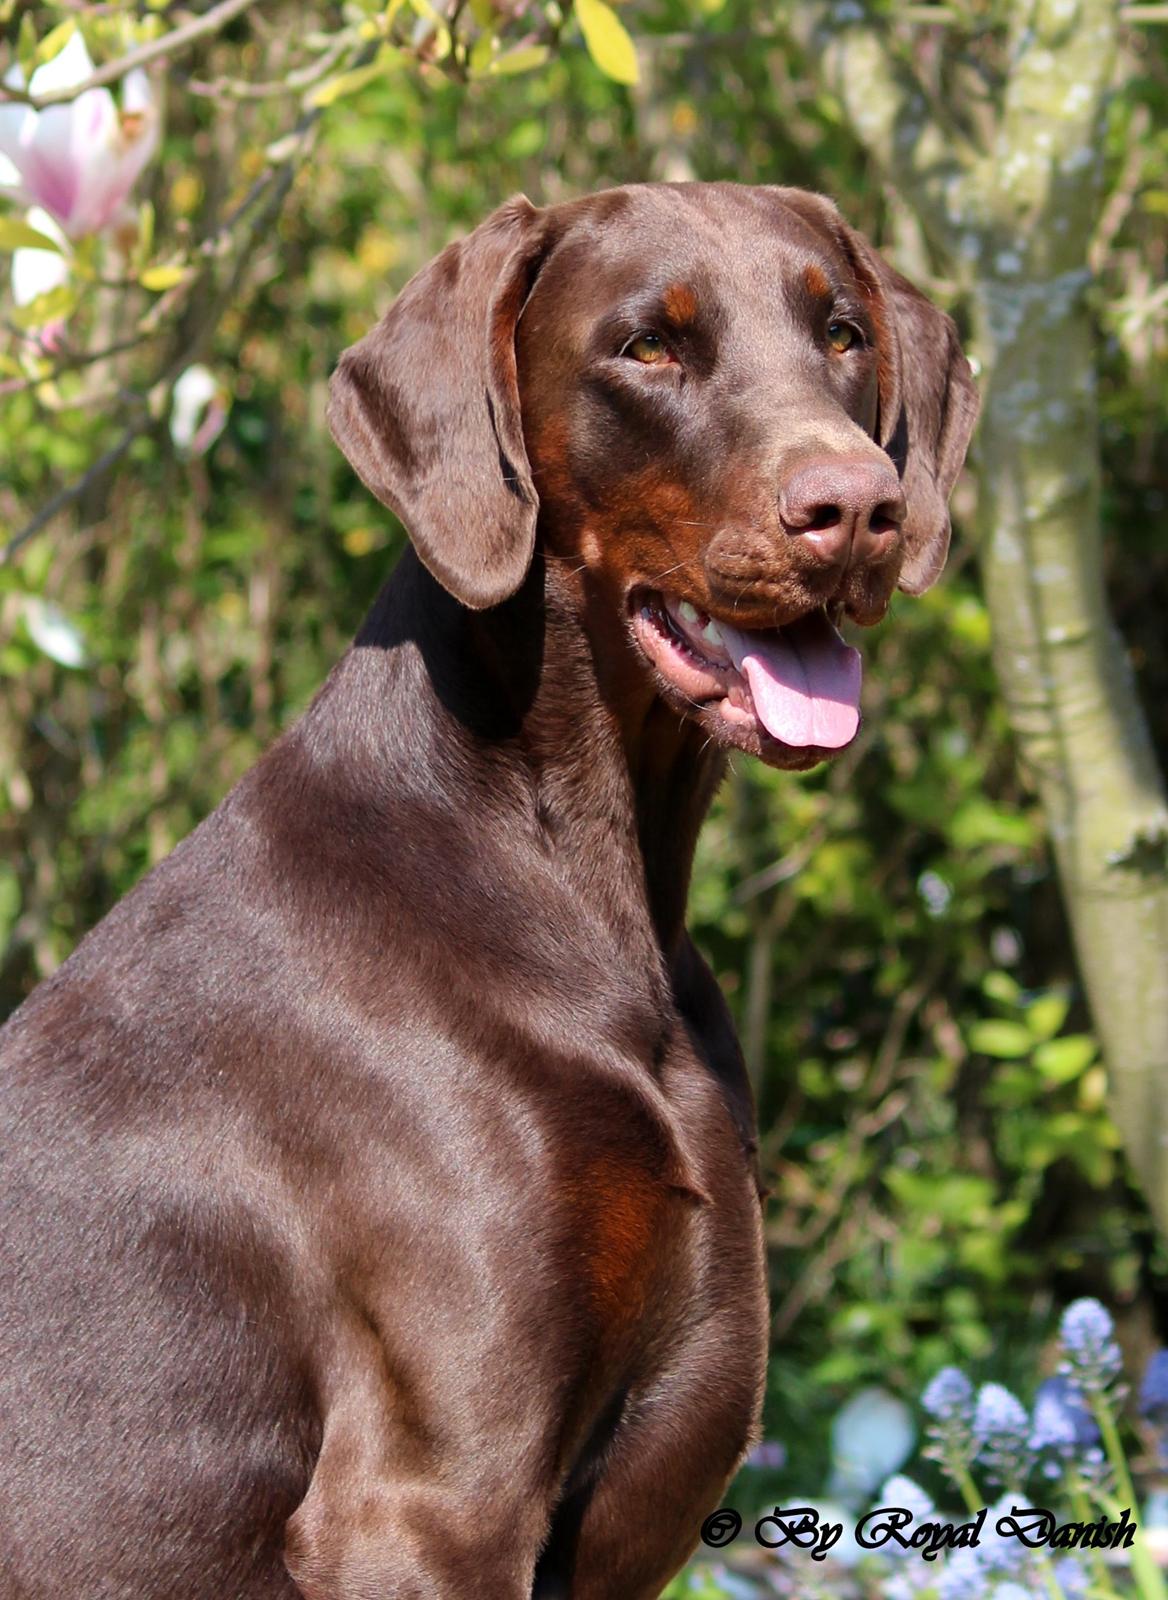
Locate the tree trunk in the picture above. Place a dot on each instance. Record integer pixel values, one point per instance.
(1009, 200)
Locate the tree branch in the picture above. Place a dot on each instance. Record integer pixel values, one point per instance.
(909, 135)
(170, 44)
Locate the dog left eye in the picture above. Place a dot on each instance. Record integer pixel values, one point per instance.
(649, 348)
(842, 335)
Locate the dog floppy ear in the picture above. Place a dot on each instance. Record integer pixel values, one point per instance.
(426, 408)
(928, 401)
(928, 406)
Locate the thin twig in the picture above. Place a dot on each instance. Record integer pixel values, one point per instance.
(305, 77)
(170, 44)
(74, 491)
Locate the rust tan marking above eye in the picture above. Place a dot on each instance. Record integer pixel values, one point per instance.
(680, 305)
(815, 280)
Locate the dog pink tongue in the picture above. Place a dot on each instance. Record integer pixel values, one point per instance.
(804, 680)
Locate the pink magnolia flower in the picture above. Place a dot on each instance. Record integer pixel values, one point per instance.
(79, 159)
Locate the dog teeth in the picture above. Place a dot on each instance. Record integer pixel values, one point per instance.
(686, 612)
(712, 633)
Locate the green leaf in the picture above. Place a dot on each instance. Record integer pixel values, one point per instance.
(1000, 986)
(442, 39)
(1006, 1040)
(45, 308)
(26, 45)
(145, 233)
(482, 54)
(608, 41)
(54, 42)
(524, 59)
(1062, 1060)
(159, 278)
(1046, 1015)
(346, 83)
(17, 235)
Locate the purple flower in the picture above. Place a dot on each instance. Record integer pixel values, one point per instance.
(768, 1455)
(964, 1577)
(1091, 1354)
(1001, 1429)
(948, 1395)
(1062, 1425)
(901, 1491)
(948, 1400)
(1154, 1389)
(1071, 1577)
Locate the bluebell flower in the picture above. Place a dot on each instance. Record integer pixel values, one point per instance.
(948, 1402)
(1092, 1357)
(768, 1455)
(1154, 1389)
(1062, 1425)
(1012, 1591)
(964, 1577)
(1061, 1394)
(947, 1395)
(1001, 1428)
(1071, 1577)
(901, 1491)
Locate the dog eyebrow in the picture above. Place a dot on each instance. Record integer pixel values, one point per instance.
(817, 283)
(679, 304)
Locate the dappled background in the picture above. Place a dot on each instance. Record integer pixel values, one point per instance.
(920, 979)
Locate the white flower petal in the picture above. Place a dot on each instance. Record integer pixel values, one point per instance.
(71, 65)
(80, 160)
(36, 272)
(111, 153)
(193, 392)
(13, 117)
(51, 631)
(137, 94)
(94, 159)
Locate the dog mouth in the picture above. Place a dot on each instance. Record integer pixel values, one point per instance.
(797, 685)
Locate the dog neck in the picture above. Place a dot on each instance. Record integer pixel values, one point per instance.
(588, 761)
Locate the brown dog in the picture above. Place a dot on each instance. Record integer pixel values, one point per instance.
(378, 1183)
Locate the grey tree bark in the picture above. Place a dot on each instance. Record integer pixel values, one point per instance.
(1008, 189)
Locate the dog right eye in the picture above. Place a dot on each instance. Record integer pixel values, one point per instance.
(648, 348)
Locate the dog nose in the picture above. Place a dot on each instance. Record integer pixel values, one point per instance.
(847, 509)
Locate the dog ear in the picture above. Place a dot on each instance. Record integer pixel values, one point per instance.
(928, 401)
(928, 406)
(426, 408)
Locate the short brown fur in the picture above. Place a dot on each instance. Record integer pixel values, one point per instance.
(380, 1195)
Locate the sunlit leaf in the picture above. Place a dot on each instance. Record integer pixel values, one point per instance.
(347, 83)
(1000, 986)
(608, 41)
(1062, 1060)
(50, 307)
(159, 278)
(18, 235)
(54, 41)
(1006, 1040)
(1046, 1015)
(522, 60)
